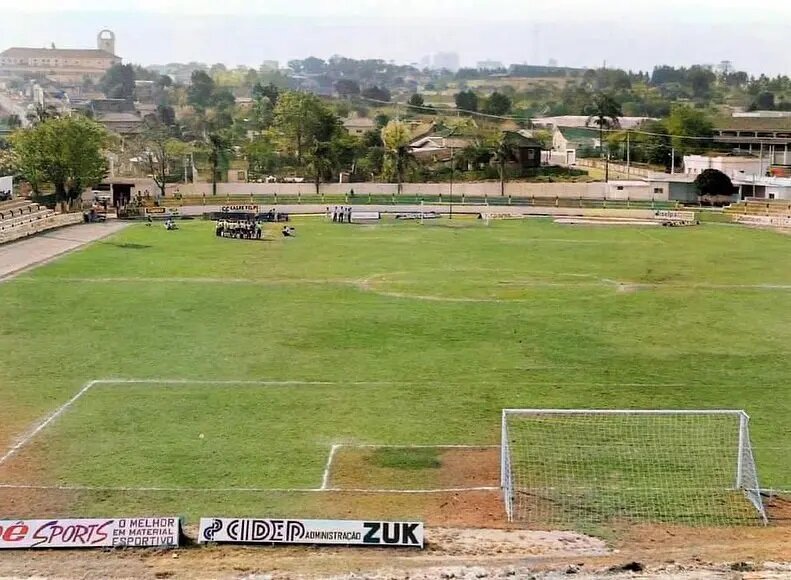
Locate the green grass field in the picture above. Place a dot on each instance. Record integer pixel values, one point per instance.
(417, 334)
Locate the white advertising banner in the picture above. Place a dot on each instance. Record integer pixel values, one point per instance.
(90, 533)
(6, 187)
(288, 531)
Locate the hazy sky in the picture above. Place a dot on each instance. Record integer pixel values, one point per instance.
(635, 34)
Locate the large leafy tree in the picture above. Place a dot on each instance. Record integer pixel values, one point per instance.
(119, 82)
(66, 152)
(497, 104)
(262, 155)
(301, 119)
(713, 182)
(416, 100)
(201, 90)
(376, 93)
(466, 101)
(395, 137)
(688, 122)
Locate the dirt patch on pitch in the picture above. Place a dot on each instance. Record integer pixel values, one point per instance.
(467, 509)
(423, 468)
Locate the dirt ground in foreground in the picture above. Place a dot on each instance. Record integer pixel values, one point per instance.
(658, 552)
(457, 547)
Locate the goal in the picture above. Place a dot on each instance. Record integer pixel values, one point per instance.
(580, 467)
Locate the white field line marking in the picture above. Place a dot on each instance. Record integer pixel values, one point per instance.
(325, 479)
(243, 489)
(396, 446)
(368, 285)
(24, 440)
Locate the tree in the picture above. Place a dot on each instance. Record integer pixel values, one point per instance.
(701, 79)
(497, 104)
(320, 162)
(381, 121)
(713, 182)
(200, 91)
(119, 82)
(219, 145)
(262, 156)
(466, 101)
(605, 113)
(416, 100)
(301, 118)
(166, 115)
(504, 153)
(269, 92)
(687, 122)
(66, 152)
(160, 150)
(765, 101)
(347, 88)
(395, 137)
(377, 94)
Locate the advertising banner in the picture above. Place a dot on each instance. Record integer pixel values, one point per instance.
(238, 208)
(90, 533)
(288, 531)
(162, 211)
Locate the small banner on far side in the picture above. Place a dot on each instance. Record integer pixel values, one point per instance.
(90, 533)
(332, 532)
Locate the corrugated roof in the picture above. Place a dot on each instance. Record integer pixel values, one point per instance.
(20, 52)
(753, 124)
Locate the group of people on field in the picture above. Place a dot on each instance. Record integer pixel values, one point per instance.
(341, 214)
(246, 230)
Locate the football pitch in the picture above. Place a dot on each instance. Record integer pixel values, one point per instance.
(363, 368)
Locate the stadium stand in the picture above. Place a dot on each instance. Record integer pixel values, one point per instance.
(769, 208)
(21, 218)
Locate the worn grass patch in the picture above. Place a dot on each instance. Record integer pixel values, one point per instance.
(405, 458)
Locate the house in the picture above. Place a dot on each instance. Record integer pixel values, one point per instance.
(528, 150)
(359, 125)
(438, 147)
(117, 115)
(61, 65)
(570, 141)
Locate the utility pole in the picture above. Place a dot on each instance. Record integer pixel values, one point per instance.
(672, 160)
(628, 154)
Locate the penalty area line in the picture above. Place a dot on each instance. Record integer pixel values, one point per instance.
(89, 488)
(25, 439)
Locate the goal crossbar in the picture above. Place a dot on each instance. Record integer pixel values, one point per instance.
(573, 466)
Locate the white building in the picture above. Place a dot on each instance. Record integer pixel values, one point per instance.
(732, 166)
(577, 121)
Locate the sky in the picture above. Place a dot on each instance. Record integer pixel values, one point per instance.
(635, 35)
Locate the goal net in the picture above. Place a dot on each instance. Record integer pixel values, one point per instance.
(578, 467)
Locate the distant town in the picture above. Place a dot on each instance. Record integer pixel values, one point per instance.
(343, 120)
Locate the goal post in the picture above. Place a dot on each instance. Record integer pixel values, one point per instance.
(573, 467)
